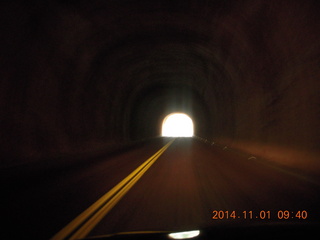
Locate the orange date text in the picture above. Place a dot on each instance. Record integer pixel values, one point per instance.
(263, 214)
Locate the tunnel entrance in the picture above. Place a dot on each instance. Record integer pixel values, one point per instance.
(177, 125)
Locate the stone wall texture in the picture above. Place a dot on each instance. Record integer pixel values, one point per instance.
(79, 76)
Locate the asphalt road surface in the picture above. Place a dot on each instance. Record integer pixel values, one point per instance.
(163, 184)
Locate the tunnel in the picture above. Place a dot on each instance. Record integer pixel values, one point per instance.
(79, 77)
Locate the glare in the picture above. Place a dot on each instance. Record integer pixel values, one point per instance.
(177, 125)
(184, 235)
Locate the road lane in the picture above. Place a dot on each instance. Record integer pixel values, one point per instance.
(86, 221)
(192, 179)
(39, 203)
(180, 191)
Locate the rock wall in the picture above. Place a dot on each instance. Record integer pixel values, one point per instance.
(79, 76)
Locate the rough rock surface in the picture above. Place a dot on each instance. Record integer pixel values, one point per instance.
(79, 76)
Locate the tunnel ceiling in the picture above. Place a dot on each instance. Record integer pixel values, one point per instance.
(100, 73)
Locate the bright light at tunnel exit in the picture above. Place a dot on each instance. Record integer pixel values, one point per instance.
(177, 125)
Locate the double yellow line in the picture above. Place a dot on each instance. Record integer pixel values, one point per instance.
(81, 226)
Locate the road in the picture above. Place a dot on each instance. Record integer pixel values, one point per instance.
(180, 190)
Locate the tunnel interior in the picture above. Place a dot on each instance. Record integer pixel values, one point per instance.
(78, 76)
(169, 99)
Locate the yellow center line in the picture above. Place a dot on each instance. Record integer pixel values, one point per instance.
(81, 226)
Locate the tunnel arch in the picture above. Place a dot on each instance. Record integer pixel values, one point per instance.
(158, 101)
(252, 75)
(169, 57)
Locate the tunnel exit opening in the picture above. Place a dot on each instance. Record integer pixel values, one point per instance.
(177, 125)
